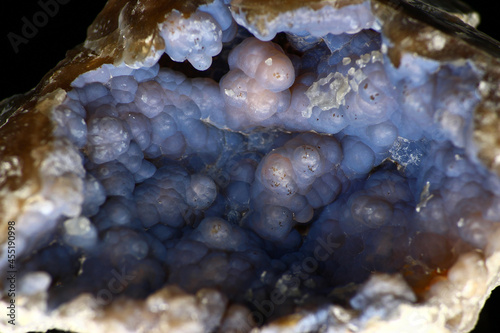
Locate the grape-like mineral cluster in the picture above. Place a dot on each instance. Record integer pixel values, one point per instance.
(310, 171)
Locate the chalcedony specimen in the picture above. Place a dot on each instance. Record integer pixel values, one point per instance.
(281, 166)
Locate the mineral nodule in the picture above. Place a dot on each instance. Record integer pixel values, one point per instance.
(281, 166)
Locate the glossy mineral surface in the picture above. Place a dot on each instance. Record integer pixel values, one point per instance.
(316, 166)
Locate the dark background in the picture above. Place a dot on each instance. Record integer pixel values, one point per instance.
(22, 71)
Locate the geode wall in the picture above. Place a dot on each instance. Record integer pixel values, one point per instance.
(284, 166)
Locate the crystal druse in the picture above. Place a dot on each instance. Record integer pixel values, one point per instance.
(277, 166)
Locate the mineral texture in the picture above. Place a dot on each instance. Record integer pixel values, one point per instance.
(264, 166)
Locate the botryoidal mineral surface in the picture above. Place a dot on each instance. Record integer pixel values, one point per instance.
(237, 166)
